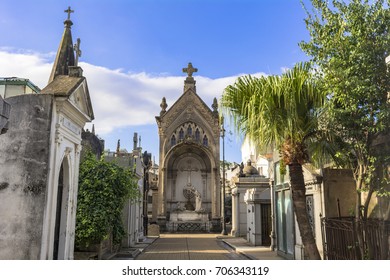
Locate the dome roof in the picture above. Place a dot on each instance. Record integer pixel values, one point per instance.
(249, 170)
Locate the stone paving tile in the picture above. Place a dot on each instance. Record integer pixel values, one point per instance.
(205, 247)
(240, 245)
(188, 247)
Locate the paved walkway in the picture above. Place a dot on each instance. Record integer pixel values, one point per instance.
(241, 246)
(203, 247)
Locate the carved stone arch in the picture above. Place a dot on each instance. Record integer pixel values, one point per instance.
(173, 150)
(175, 179)
(195, 118)
(183, 126)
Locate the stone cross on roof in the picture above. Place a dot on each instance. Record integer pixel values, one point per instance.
(189, 70)
(69, 11)
(77, 50)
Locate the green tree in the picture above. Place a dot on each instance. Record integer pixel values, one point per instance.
(281, 111)
(348, 45)
(104, 187)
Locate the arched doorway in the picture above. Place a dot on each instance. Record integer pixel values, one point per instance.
(189, 168)
(61, 211)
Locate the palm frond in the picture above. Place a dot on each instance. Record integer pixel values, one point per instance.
(274, 109)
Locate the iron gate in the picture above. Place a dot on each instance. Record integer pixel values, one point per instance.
(340, 238)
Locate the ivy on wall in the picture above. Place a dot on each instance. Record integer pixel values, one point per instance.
(104, 188)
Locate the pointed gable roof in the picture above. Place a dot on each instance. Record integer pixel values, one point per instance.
(65, 54)
(66, 79)
(189, 100)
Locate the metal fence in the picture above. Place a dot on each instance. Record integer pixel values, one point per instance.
(186, 227)
(348, 239)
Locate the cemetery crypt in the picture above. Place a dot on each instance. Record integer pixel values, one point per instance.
(189, 196)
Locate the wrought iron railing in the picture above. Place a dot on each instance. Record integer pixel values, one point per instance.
(348, 239)
(190, 227)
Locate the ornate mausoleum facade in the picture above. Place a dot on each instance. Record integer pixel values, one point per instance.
(189, 178)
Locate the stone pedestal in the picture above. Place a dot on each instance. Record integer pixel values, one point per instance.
(153, 230)
(188, 221)
(188, 216)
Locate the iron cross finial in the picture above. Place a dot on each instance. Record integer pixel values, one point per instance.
(69, 11)
(189, 70)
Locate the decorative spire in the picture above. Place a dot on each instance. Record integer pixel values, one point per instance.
(93, 129)
(189, 81)
(135, 141)
(118, 147)
(163, 106)
(65, 54)
(215, 106)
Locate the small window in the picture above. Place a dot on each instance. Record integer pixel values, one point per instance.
(173, 140)
(181, 134)
(189, 130)
(205, 141)
(197, 135)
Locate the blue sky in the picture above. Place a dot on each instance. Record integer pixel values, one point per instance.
(133, 52)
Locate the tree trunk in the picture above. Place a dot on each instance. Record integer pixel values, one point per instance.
(299, 201)
(359, 214)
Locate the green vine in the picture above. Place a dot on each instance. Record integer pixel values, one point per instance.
(104, 188)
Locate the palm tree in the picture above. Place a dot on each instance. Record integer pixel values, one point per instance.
(281, 111)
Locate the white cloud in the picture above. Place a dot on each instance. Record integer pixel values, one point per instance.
(119, 99)
(25, 64)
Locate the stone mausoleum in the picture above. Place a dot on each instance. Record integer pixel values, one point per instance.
(189, 196)
(39, 159)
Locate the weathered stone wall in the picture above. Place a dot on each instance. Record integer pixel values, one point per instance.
(24, 156)
(380, 205)
(339, 185)
(91, 142)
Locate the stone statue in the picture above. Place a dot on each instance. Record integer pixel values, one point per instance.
(198, 200)
(241, 172)
(180, 207)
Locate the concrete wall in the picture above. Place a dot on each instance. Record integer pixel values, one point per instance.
(339, 185)
(24, 155)
(337, 191)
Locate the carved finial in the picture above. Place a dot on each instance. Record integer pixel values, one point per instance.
(77, 51)
(118, 147)
(135, 141)
(215, 105)
(163, 106)
(190, 70)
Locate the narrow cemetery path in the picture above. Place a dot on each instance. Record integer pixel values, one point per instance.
(189, 247)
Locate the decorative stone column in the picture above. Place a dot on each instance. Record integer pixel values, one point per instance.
(272, 195)
(161, 214)
(235, 213)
